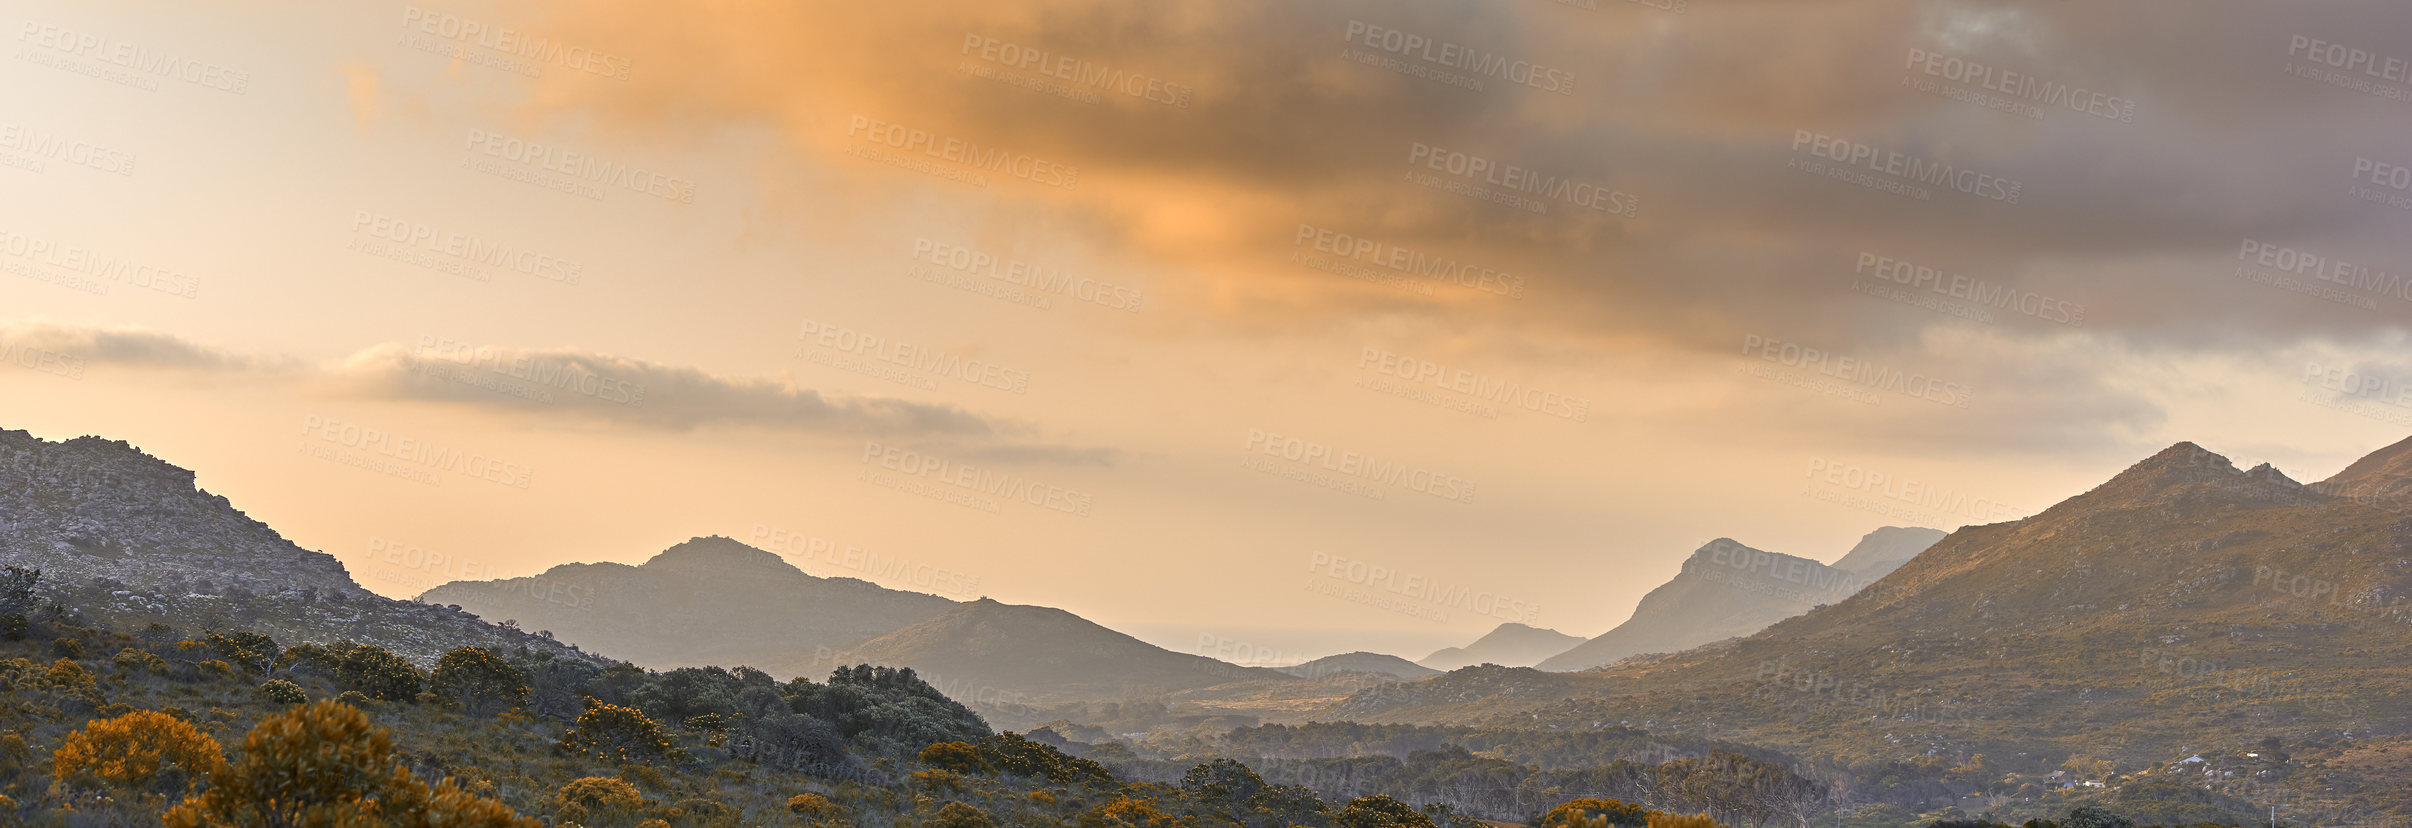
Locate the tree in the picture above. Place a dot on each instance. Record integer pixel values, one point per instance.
(377, 673)
(480, 682)
(249, 650)
(141, 751)
(1379, 811)
(325, 764)
(623, 733)
(1222, 784)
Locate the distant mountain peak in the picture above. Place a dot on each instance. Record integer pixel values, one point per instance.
(1510, 643)
(717, 552)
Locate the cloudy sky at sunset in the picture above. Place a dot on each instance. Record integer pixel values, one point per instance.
(1166, 313)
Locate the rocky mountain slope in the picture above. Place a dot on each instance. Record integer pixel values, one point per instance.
(122, 534)
(708, 601)
(1727, 589)
(2183, 606)
(1507, 645)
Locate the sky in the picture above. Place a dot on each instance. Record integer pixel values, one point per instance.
(1265, 330)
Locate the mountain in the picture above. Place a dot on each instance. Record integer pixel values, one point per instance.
(1727, 589)
(126, 536)
(1360, 662)
(985, 652)
(2382, 478)
(708, 601)
(1507, 645)
(2184, 606)
(1880, 552)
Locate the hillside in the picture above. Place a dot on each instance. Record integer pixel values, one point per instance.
(1727, 589)
(709, 600)
(2184, 606)
(1359, 662)
(129, 538)
(985, 652)
(1507, 645)
(1880, 552)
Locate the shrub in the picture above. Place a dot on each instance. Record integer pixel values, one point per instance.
(1010, 752)
(281, 691)
(1125, 812)
(138, 751)
(1600, 813)
(599, 800)
(134, 660)
(326, 764)
(251, 651)
(960, 757)
(813, 806)
(617, 732)
(1665, 820)
(378, 674)
(12, 627)
(478, 681)
(602, 793)
(1378, 811)
(65, 647)
(959, 815)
